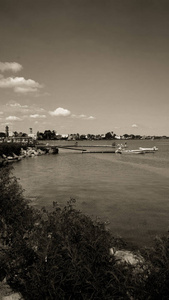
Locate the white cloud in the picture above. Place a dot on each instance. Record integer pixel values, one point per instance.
(17, 105)
(6, 123)
(134, 126)
(22, 110)
(20, 84)
(13, 118)
(84, 117)
(24, 90)
(60, 112)
(38, 116)
(91, 118)
(1, 112)
(12, 66)
(78, 116)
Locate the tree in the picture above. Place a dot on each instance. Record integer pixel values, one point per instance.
(40, 135)
(109, 135)
(15, 133)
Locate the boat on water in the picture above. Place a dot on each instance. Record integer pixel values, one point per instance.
(12, 158)
(149, 150)
(123, 151)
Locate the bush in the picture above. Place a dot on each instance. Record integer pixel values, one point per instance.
(9, 148)
(58, 255)
(157, 286)
(66, 257)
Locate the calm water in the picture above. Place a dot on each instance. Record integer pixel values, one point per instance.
(130, 191)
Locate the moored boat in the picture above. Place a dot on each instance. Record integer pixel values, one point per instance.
(137, 151)
(149, 150)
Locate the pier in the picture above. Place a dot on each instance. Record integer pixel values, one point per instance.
(98, 151)
(82, 148)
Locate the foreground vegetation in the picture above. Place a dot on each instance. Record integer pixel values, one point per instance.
(9, 148)
(64, 254)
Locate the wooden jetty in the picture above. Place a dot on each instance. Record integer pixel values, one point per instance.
(99, 146)
(76, 147)
(71, 148)
(98, 151)
(86, 146)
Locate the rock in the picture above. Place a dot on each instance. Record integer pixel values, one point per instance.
(6, 292)
(125, 256)
(14, 296)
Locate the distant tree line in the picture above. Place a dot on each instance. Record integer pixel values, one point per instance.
(53, 135)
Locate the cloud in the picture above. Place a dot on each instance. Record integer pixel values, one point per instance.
(134, 126)
(17, 105)
(6, 123)
(1, 112)
(78, 116)
(91, 118)
(84, 117)
(60, 112)
(10, 66)
(20, 84)
(13, 118)
(25, 90)
(22, 110)
(38, 116)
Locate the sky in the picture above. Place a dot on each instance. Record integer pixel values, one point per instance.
(85, 66)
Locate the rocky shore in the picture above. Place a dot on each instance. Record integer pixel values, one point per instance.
(28, 152)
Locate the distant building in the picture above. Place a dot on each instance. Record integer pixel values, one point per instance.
(22, 139)
(7, 131)
(31, 134)
(117, 137)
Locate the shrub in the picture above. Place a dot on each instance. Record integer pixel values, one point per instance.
(157, 286)
(9, 148)
(64, 254)
(16, 216)
(61, 254)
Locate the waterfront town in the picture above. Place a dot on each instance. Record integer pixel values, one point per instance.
(22, 137)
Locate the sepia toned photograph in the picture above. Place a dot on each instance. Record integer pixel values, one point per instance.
(84, 150)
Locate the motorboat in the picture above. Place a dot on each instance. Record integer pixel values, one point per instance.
(12, 158)
(149, 150)
(123, 151)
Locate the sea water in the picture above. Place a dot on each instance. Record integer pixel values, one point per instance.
(130, 192)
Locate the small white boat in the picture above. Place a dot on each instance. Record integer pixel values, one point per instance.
(149, 150)
(13, 158)
(137, 151)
